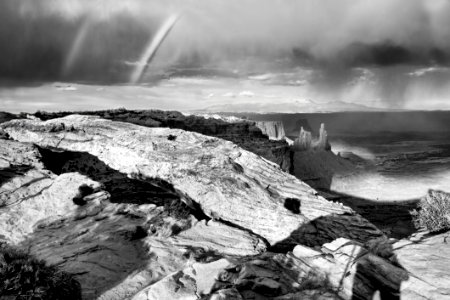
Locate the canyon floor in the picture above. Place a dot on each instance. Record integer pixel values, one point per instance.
(158, 205)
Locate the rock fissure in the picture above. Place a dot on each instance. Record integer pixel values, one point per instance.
(30, 196)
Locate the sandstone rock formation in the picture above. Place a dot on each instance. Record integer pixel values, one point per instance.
(113, 245)
(157, 213)
(207, 170)
(314, 163)
(244, 134)
(273, 129)
(322, 142)
(341, 269)
(305, 142)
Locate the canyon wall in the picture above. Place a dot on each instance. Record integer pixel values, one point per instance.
(313, 161)
(273, 129)
(305, 140)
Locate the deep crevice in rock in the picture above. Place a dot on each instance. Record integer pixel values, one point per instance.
(231, 224)
(6, 174)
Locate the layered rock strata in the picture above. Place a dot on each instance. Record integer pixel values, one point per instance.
(305, 141)
(341, 269)
(207, 171)
(273, 129)
(96, 230)
(157, 213)
(244, 134)
(314, 163)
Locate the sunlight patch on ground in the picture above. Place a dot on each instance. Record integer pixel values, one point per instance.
(375, 186)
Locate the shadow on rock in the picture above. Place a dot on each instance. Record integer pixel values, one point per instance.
(328, 228)
(99, 250)
(102, 244)
(12, 171)
(122, 189)
(349, 246)
(372, 272)
(392, 217)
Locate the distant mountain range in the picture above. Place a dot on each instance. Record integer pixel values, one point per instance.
(299, 106)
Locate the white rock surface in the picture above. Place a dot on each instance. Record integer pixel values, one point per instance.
(122, 250)
(228, 183)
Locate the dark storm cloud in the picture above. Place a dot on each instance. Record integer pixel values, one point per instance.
(37, 36)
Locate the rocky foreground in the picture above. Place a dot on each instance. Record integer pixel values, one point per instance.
(156, 213)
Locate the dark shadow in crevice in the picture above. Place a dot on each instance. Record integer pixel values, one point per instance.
(101, 264)
(122, 188)
(6, 174)
(326, 229)
(230, 224)
(369, 277)
(392, 217)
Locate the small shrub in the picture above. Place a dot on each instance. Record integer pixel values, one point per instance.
(202, 255)
(83, 191)
(433, 212)
(177, 209)
(293, 205)
(24, 277)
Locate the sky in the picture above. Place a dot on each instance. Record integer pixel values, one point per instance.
(384, 53)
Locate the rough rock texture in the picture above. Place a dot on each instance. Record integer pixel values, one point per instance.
(228, 183)
(157, 213)
(244, 134)
(341, 269)
(426, 257)
(273, 129)
(113, 246)
(264, 277)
